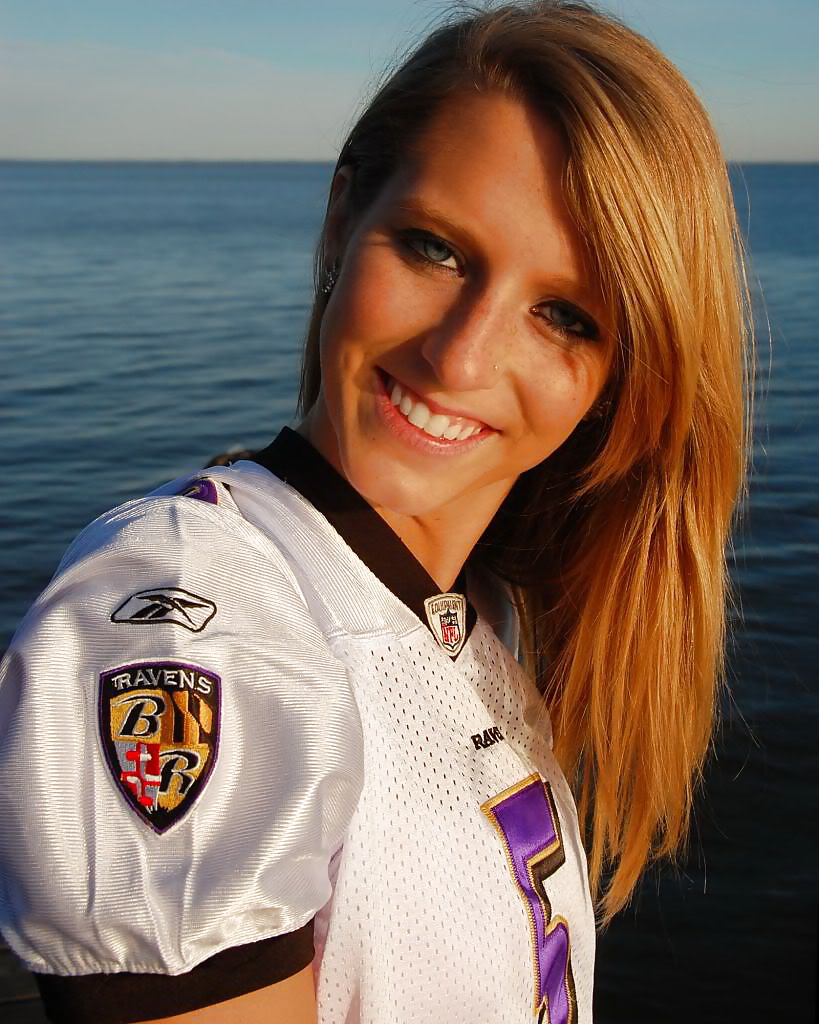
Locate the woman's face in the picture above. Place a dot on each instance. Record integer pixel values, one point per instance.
(464, 339)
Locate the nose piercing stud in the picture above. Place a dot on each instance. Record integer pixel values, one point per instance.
(495, 366)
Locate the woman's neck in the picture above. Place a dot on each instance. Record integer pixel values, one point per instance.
(443, 540)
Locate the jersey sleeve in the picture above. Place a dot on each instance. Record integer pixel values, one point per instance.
(180, 752)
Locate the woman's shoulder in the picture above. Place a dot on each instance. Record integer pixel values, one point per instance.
(169, 691)
(190, 510)
(183, 560)
(188, 526)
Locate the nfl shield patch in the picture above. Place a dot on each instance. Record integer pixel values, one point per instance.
(159, 722)
(446, 615)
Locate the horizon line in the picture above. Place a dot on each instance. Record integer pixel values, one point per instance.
(807, 162)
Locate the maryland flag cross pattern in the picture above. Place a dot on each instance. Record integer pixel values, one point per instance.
(159, 722)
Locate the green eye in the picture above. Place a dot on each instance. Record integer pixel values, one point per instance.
(434, 249)
(429, 248)
(568, 320)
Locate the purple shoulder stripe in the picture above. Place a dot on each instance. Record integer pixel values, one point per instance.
(202, 490)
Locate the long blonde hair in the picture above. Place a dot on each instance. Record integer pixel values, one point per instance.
(615, 546)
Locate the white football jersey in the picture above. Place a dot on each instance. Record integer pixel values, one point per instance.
(228, 718)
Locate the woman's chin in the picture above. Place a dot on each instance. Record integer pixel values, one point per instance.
(392, 488)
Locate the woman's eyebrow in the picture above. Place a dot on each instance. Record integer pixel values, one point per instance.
(418, 207)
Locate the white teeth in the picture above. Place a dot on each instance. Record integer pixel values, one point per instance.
(435, 424)
(419, 415)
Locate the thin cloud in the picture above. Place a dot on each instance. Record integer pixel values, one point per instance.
(97, 101)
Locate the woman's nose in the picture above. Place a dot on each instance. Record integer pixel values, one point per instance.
(465, 349)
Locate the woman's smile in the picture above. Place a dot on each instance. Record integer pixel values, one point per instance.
(447, 428)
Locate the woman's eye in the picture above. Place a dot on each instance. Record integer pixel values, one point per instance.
(568, 320)
(431, 249)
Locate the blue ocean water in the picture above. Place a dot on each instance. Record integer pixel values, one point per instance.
(152, 316)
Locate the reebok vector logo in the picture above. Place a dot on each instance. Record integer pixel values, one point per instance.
(166, 604)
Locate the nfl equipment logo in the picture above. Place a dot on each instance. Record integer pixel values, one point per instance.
(450, 630)
(159, 722)
(446, 615)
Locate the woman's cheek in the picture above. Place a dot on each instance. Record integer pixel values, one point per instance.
(379, 304)
(400, 299)
(558, 391)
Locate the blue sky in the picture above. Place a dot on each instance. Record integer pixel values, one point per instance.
(264, 79)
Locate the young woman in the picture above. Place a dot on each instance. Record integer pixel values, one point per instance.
(268, 750)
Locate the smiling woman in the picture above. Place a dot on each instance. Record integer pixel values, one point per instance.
(334, 704)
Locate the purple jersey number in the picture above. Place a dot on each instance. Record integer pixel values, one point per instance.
(526, 818)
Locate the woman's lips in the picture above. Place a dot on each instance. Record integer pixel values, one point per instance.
(428, 416)
(426, 425)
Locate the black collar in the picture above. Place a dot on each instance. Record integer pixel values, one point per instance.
(294, 460)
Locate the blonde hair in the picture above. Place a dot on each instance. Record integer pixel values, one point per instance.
(615, 545)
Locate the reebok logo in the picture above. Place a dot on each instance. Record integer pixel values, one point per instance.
(166, 604)
(487, 738)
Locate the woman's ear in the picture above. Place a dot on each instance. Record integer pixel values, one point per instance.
(337, 225)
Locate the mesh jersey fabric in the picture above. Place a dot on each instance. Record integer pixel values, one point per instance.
(446, 875)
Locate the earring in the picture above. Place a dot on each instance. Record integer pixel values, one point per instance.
(600, 409)
(330, 278)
